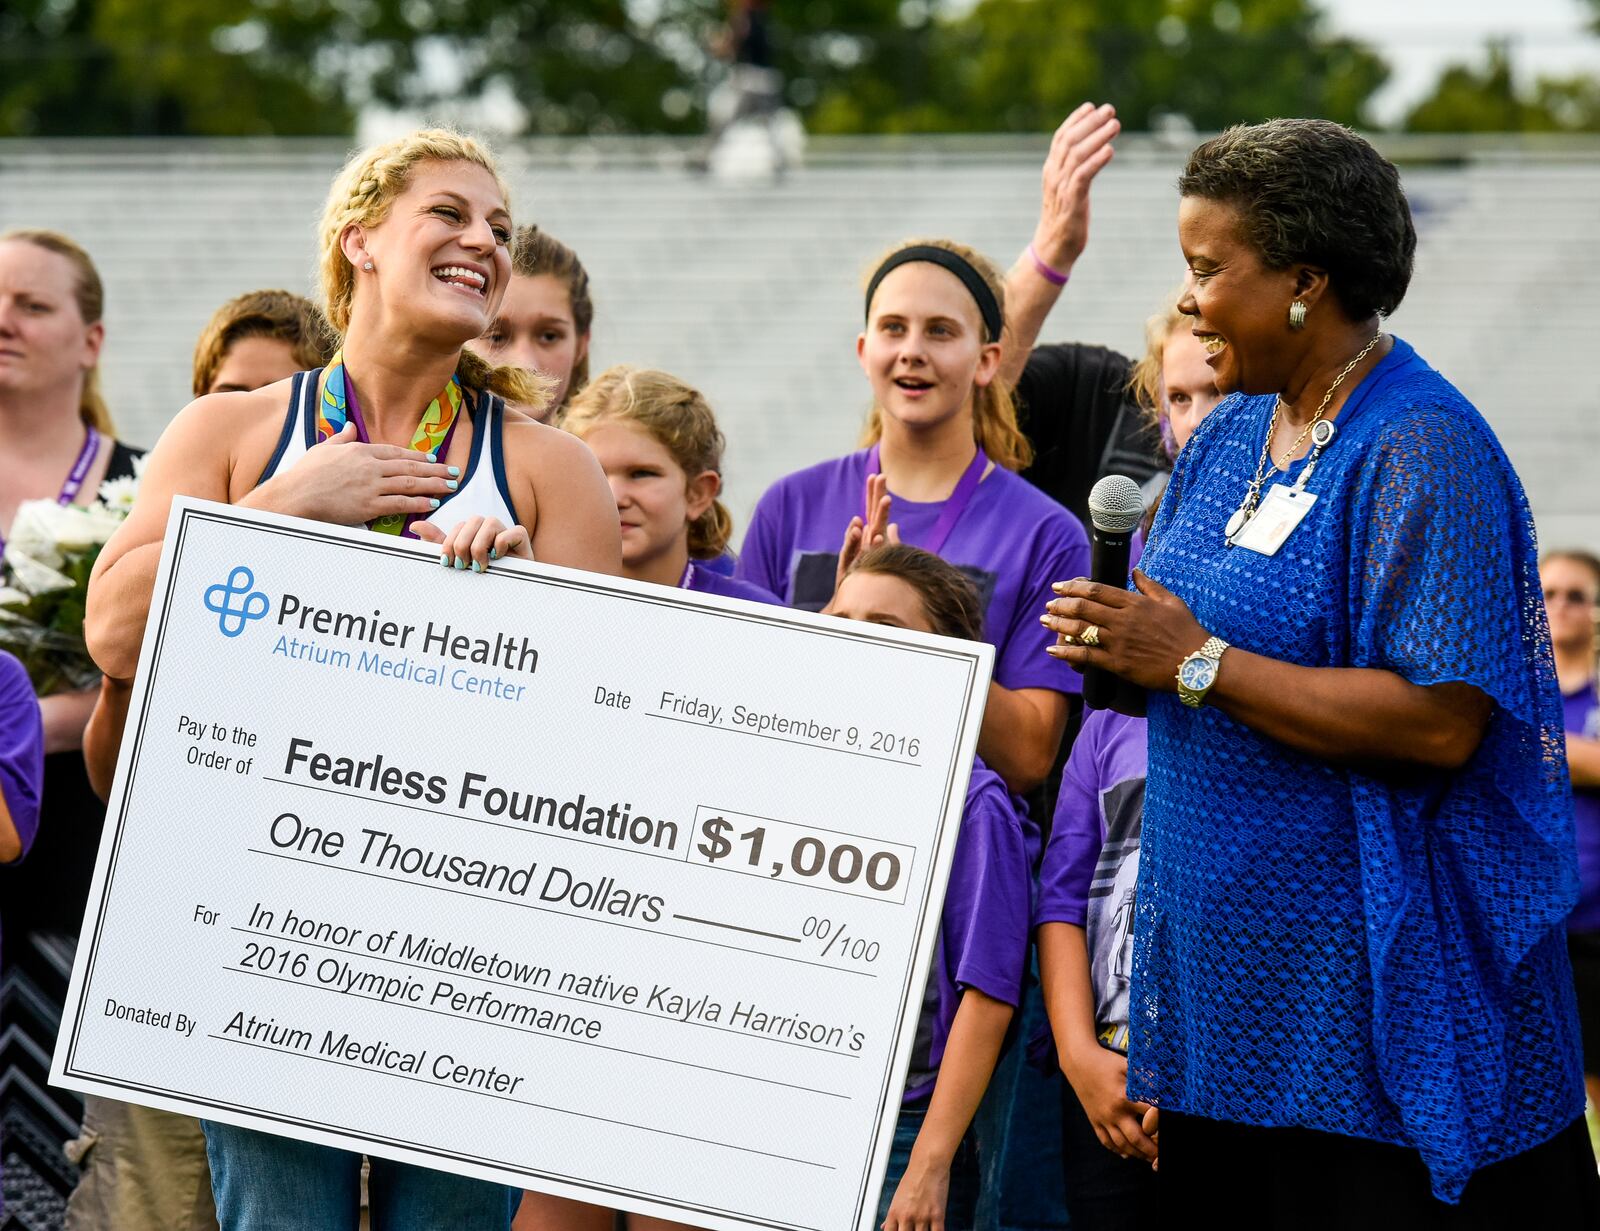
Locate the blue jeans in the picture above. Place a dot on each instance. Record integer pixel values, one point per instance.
(962, 1203)
(268, 1183)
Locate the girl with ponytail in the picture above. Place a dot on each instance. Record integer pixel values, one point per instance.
(938, 470)
(660, 447)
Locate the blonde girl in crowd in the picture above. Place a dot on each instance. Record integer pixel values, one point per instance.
(939, 462)
(406, 433)
(659, 445)
(544, 322)
(1175, 388)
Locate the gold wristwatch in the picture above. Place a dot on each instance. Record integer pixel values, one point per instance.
(1198, 672)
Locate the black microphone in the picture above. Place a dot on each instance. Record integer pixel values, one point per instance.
(1115, 507)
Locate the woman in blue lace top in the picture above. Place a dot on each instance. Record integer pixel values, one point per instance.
(1351, 1001)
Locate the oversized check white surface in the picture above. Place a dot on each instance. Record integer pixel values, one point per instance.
(586, 928)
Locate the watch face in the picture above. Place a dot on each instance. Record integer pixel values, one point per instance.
(1197, 674)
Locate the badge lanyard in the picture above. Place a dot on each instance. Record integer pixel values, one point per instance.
(73, 483)
(1285, 505)
(954, 507)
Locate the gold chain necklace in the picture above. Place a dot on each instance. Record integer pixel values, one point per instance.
(1247, 507)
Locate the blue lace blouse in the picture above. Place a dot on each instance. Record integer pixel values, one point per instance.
(1380, 956)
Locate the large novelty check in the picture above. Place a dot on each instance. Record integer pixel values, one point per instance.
(577, 884)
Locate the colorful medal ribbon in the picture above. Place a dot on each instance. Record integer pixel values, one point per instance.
(339, 405)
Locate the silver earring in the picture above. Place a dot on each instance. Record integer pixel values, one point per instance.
(1297, 313)
(367, 265)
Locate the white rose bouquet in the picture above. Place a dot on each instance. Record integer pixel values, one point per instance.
(44, 582)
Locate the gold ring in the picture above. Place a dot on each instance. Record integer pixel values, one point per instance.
(1090, 635)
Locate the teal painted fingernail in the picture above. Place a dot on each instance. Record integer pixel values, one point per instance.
(454, 471)
(445, 560)
(433, 457)
(452, 484)
(493, 555)
(460, 563)
(476, 567)
(433, 504)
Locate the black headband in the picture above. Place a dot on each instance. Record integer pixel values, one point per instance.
(988, 306)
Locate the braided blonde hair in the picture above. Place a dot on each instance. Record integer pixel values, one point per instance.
(678, 416)
(361, 196)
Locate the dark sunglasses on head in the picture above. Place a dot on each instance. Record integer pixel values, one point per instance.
(1581, 597)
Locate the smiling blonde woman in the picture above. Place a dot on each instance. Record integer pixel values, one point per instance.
(407, 434)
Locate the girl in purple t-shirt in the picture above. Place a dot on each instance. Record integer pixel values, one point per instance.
(1571, 581)
(976, 980)
(660, 447)
(943, 449)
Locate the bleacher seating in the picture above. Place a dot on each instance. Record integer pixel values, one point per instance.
(753, 291)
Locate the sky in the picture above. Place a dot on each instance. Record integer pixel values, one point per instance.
(1420, 37)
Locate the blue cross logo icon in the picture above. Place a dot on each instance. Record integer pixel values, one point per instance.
(236, 601)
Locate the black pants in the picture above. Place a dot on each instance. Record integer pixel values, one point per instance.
(1294, 1179)
(1104, 1191)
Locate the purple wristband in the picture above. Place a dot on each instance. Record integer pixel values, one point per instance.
(1045, 271)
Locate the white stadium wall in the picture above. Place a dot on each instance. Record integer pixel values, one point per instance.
(753, 291)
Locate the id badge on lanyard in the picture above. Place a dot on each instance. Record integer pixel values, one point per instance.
(1282, 509)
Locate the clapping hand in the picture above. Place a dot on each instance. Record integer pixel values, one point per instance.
(860, 536)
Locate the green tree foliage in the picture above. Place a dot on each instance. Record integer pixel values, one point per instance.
(1022, 64)
(114, 67)
(590, 66)
(1488, 99)
(574, 66)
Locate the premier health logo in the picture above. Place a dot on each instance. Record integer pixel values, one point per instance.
(236, 601)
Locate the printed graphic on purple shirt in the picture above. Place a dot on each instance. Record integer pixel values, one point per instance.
(983, 931)
(1110, 928)
(1013, 541)
(1091, 865)
(1582, 718)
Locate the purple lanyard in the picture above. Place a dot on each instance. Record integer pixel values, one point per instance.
(954, 507)
(73, 483)
(686, 582)
(354, 405)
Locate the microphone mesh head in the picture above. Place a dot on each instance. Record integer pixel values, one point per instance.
(1115, 504)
